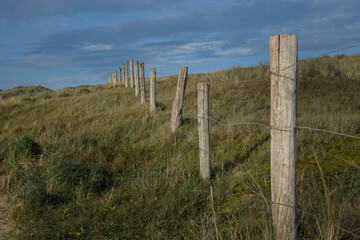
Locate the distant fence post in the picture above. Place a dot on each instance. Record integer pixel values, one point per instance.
(115, 77)
(123, 74)
(127, 74)
(152, 89)
(203, 127)
(283, 69)
(176, 113)
(137, 84)
(142, 83)
(131, 73)
(119, 79)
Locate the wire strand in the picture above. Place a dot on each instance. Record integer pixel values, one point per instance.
(286, 128)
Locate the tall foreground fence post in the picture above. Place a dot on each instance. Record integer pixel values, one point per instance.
(137, 84)
(131, 73)
(152, 89)
(203, 127)
(123, 74)
(176, 113)
(126, 74)
(283, 69)
(142, 83)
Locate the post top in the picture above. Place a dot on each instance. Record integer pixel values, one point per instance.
(284, 36)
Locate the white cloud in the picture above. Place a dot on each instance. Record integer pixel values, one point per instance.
(98, 47)
(192, 48)
(236, 52)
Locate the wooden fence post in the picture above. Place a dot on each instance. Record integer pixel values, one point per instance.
(177, 107)
(283, 69)
(123, 74)
(203, 127)
(142, 83)
(131, 73)
(112, 78)
(119, 79)
(127, 74)
(152, 89)
(115, 77)
(137, 84)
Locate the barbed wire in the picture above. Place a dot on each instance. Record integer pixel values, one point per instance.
(328, 131)
(240, 82)
(235, 124)
(281, 128)
(338, 50)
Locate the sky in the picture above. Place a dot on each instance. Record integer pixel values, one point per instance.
(64, 43)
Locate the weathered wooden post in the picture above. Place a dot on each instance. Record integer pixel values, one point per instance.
(112, 78)
(119, 79)
(152, 89)
(142, 83)
(203, 127)
(137, 84)
(115, 77)
(131, 73)
(127, 74)
(123, 74)
(283, 69)
(177, 107)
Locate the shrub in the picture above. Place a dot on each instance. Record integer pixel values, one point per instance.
(23, 148)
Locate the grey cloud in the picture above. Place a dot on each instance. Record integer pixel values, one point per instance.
(196, 35)
(33, 8)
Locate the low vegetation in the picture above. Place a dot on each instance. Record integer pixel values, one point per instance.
(91, 162)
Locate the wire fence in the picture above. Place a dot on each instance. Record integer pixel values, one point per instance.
(266, 76)
(282, 128)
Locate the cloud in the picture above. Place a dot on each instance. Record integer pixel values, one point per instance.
(168, 33)
(98, 47)
(34, 8)
(236, 52)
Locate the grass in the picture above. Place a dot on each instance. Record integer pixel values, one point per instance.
(91, 162)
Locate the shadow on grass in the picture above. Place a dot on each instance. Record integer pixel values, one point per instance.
(229, 165)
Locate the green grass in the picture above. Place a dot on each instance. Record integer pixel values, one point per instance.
(91, 162)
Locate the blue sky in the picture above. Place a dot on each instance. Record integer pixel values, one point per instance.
(60, 43)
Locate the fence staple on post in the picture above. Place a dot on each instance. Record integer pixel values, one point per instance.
(152, 89)
(203, 127)
(177, 107)
(283, 69)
